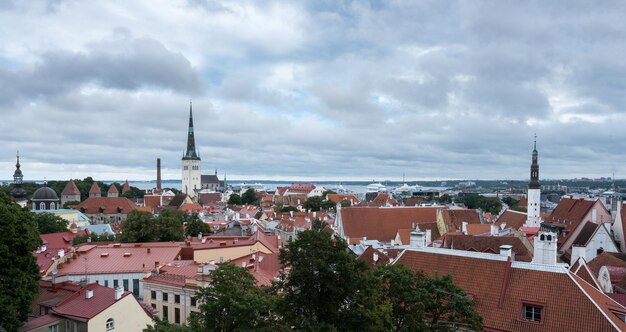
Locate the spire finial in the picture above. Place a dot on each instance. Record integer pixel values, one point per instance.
(535, 141)
(18, 159)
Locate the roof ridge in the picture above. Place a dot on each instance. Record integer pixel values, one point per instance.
(574, 277)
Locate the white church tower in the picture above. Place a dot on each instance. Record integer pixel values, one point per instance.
(191, 163)
(533, 218)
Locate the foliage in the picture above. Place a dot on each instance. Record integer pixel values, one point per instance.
(139, 226)
(67, 205)
(235, 199)
(50, 223)
(165, 326)
(19, 273)
(327, 288)
(288, 208)
(346, 203)
(232, 302)
(317, 203)
(487, 204)
(447, 306)
(444, 199)
(195, 225)
(510, 201)
(326, 192)
(250, 197)
(169, 226)
(106, 237)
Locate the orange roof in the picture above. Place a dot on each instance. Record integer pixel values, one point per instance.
(112, 189)
(512, 219)
(383, 223)
(474, 229)
(454, 218)
(71, 189)
(500, 290)
(95, 189)
(126, 187)
(338, 198)
(106, 205)
(374, 257)
(79, 307)
(490, 244)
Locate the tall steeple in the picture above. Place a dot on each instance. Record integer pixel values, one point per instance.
(190, 153)
(533, 210)
(534, 169)
(18, 190)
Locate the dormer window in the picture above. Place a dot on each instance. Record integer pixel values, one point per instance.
(532, 312)
(110, 325)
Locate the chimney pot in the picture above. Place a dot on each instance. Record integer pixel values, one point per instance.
(89, 294)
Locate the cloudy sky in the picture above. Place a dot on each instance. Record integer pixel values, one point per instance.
(313, 89)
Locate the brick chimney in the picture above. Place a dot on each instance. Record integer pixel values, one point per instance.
(158, 184)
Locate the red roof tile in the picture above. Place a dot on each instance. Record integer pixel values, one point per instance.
(113, 189)
(454, 218)
(126, 187)
(71, 189)
(570, 304)
(382, 224)
(79, 307)
(95, 189)
(512, 219)
(338, 198)
(106, 205)
(491, 244)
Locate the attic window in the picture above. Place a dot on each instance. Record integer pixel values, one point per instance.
(532, 312)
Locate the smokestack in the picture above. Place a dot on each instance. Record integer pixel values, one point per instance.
(158, 173)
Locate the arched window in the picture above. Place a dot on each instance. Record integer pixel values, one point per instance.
(549, 237)
(42, 206)
(542, 237)
(110, 324)
(53, 206)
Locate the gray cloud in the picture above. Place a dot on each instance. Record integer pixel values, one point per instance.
(328, 89)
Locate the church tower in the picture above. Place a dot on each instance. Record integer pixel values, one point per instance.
(18, 191)
(191, 163)
(534, 193)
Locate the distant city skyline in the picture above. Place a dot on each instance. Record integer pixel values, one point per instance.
(313, 90)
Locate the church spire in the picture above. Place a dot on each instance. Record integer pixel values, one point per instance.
(191, 153)
(18, 191)
(534, 169)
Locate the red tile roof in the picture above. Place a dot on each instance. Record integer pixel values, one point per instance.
(383, 223)
(40, 321)
(113, 189)
(109, 205)
(121, 258)
(454, 218)
(338, 198)
(126, 187)
(607, 259)
(370, 253)
(570, 303)
(71, 189)
(512, 219)
(475, 229)
(265, 270)
(79, 307)
(490, 244)
(95, 189)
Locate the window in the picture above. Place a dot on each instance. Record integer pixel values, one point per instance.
(110, 324)
(125, 281)
(164, 296)
(532, 312)
(106, 283)
(177, 315)
(193, 301)
(116, 283)
(52, 206)
(165, 314)
(153, 295)
(136, 287)
(176, 298)
(68, 326)
(53, 328)
(42, 206)
(153, 306)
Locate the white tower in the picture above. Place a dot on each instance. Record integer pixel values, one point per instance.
(191, 163)
(534, 193)
(545, 248)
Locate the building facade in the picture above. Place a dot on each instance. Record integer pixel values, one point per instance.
(191, 163)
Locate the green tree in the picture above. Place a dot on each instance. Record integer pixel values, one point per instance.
(160, 325)
(346, 203)
(19, 273)
(250, 197)
(487, 204)
(67, 205)
(447, 306)
(326, 192)
(235, 199)
(50, 223)
(106, 237)
(288, 208)
(169, 226)
(401, 290)
(232, 302)
(195, 226)
(313, 203)
(444, 199)
(327, 288)
(139, 226)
